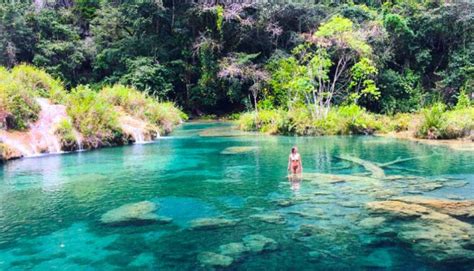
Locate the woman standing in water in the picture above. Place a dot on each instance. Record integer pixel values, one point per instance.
(294, 161)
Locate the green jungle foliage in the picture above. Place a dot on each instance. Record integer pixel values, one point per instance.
(94, 117)
(343, 120)
(399, 56)
(138, 104)
(19, 89)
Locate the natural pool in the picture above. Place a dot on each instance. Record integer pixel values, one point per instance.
(51, 207)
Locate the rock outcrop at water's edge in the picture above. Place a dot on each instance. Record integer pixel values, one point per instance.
(40, 137)
(7, 153)
(43, 136)
(431, 234)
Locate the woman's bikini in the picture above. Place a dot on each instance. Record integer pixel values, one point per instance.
(294, 161)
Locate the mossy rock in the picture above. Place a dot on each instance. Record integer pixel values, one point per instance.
(212, 259)
(258, 243)
(134, 214)
(212, 223)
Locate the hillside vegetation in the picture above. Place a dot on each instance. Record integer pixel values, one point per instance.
(94, 116)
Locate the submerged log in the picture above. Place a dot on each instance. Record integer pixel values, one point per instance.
(404, 169)
(377, 171)
(400, 160)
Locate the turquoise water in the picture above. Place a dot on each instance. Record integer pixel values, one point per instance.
(50, 207)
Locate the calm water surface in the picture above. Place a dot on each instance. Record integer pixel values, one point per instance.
(50, 207)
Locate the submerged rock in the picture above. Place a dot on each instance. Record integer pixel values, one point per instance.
(371, 222)
(214, 259)
(456, 184)
(284, 202)
(379, 259)
(461, 208)
(233, 249)
(397, 209)
(424, 186)
(315, 255)
(259, 243)
(349, 204)
(212, 223)
(323, 178)
(270, 218)
(307, 230)
(321, 193)
(144, 260)
(431, 234)
(308, 213)
(239, 150)
(134, 213)
(455, 197)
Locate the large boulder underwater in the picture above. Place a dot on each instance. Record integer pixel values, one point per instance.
(231, 252)
(139, 213)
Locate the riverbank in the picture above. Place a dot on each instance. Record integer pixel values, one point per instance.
(459, 144)
(434, 125)
(39, 116)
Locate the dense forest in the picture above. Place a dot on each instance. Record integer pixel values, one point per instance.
(397, 56)
(385, 57)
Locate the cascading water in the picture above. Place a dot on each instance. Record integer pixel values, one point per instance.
(40, 137)
(136, 128)
(78, 136)
(138, 135)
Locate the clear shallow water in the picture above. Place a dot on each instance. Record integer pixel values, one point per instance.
(50, 207)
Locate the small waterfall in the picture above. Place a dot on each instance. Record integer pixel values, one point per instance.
(138, 135)
(78, 136)
(136, 128)
(43, 129)
(40, 137)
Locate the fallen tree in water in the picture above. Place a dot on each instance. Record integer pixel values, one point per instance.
(377, 171)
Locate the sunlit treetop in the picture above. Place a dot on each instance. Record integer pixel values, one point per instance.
(341, 33)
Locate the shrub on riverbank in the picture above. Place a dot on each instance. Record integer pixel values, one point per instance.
(17, 102)
(432, 123)
(65, 133)
(39, 83)
(19, 89)
(349, 120)
(342, 120)
(94, 117)
(438, 123)
(164, 114)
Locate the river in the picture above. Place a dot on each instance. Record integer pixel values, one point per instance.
(52, 207)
